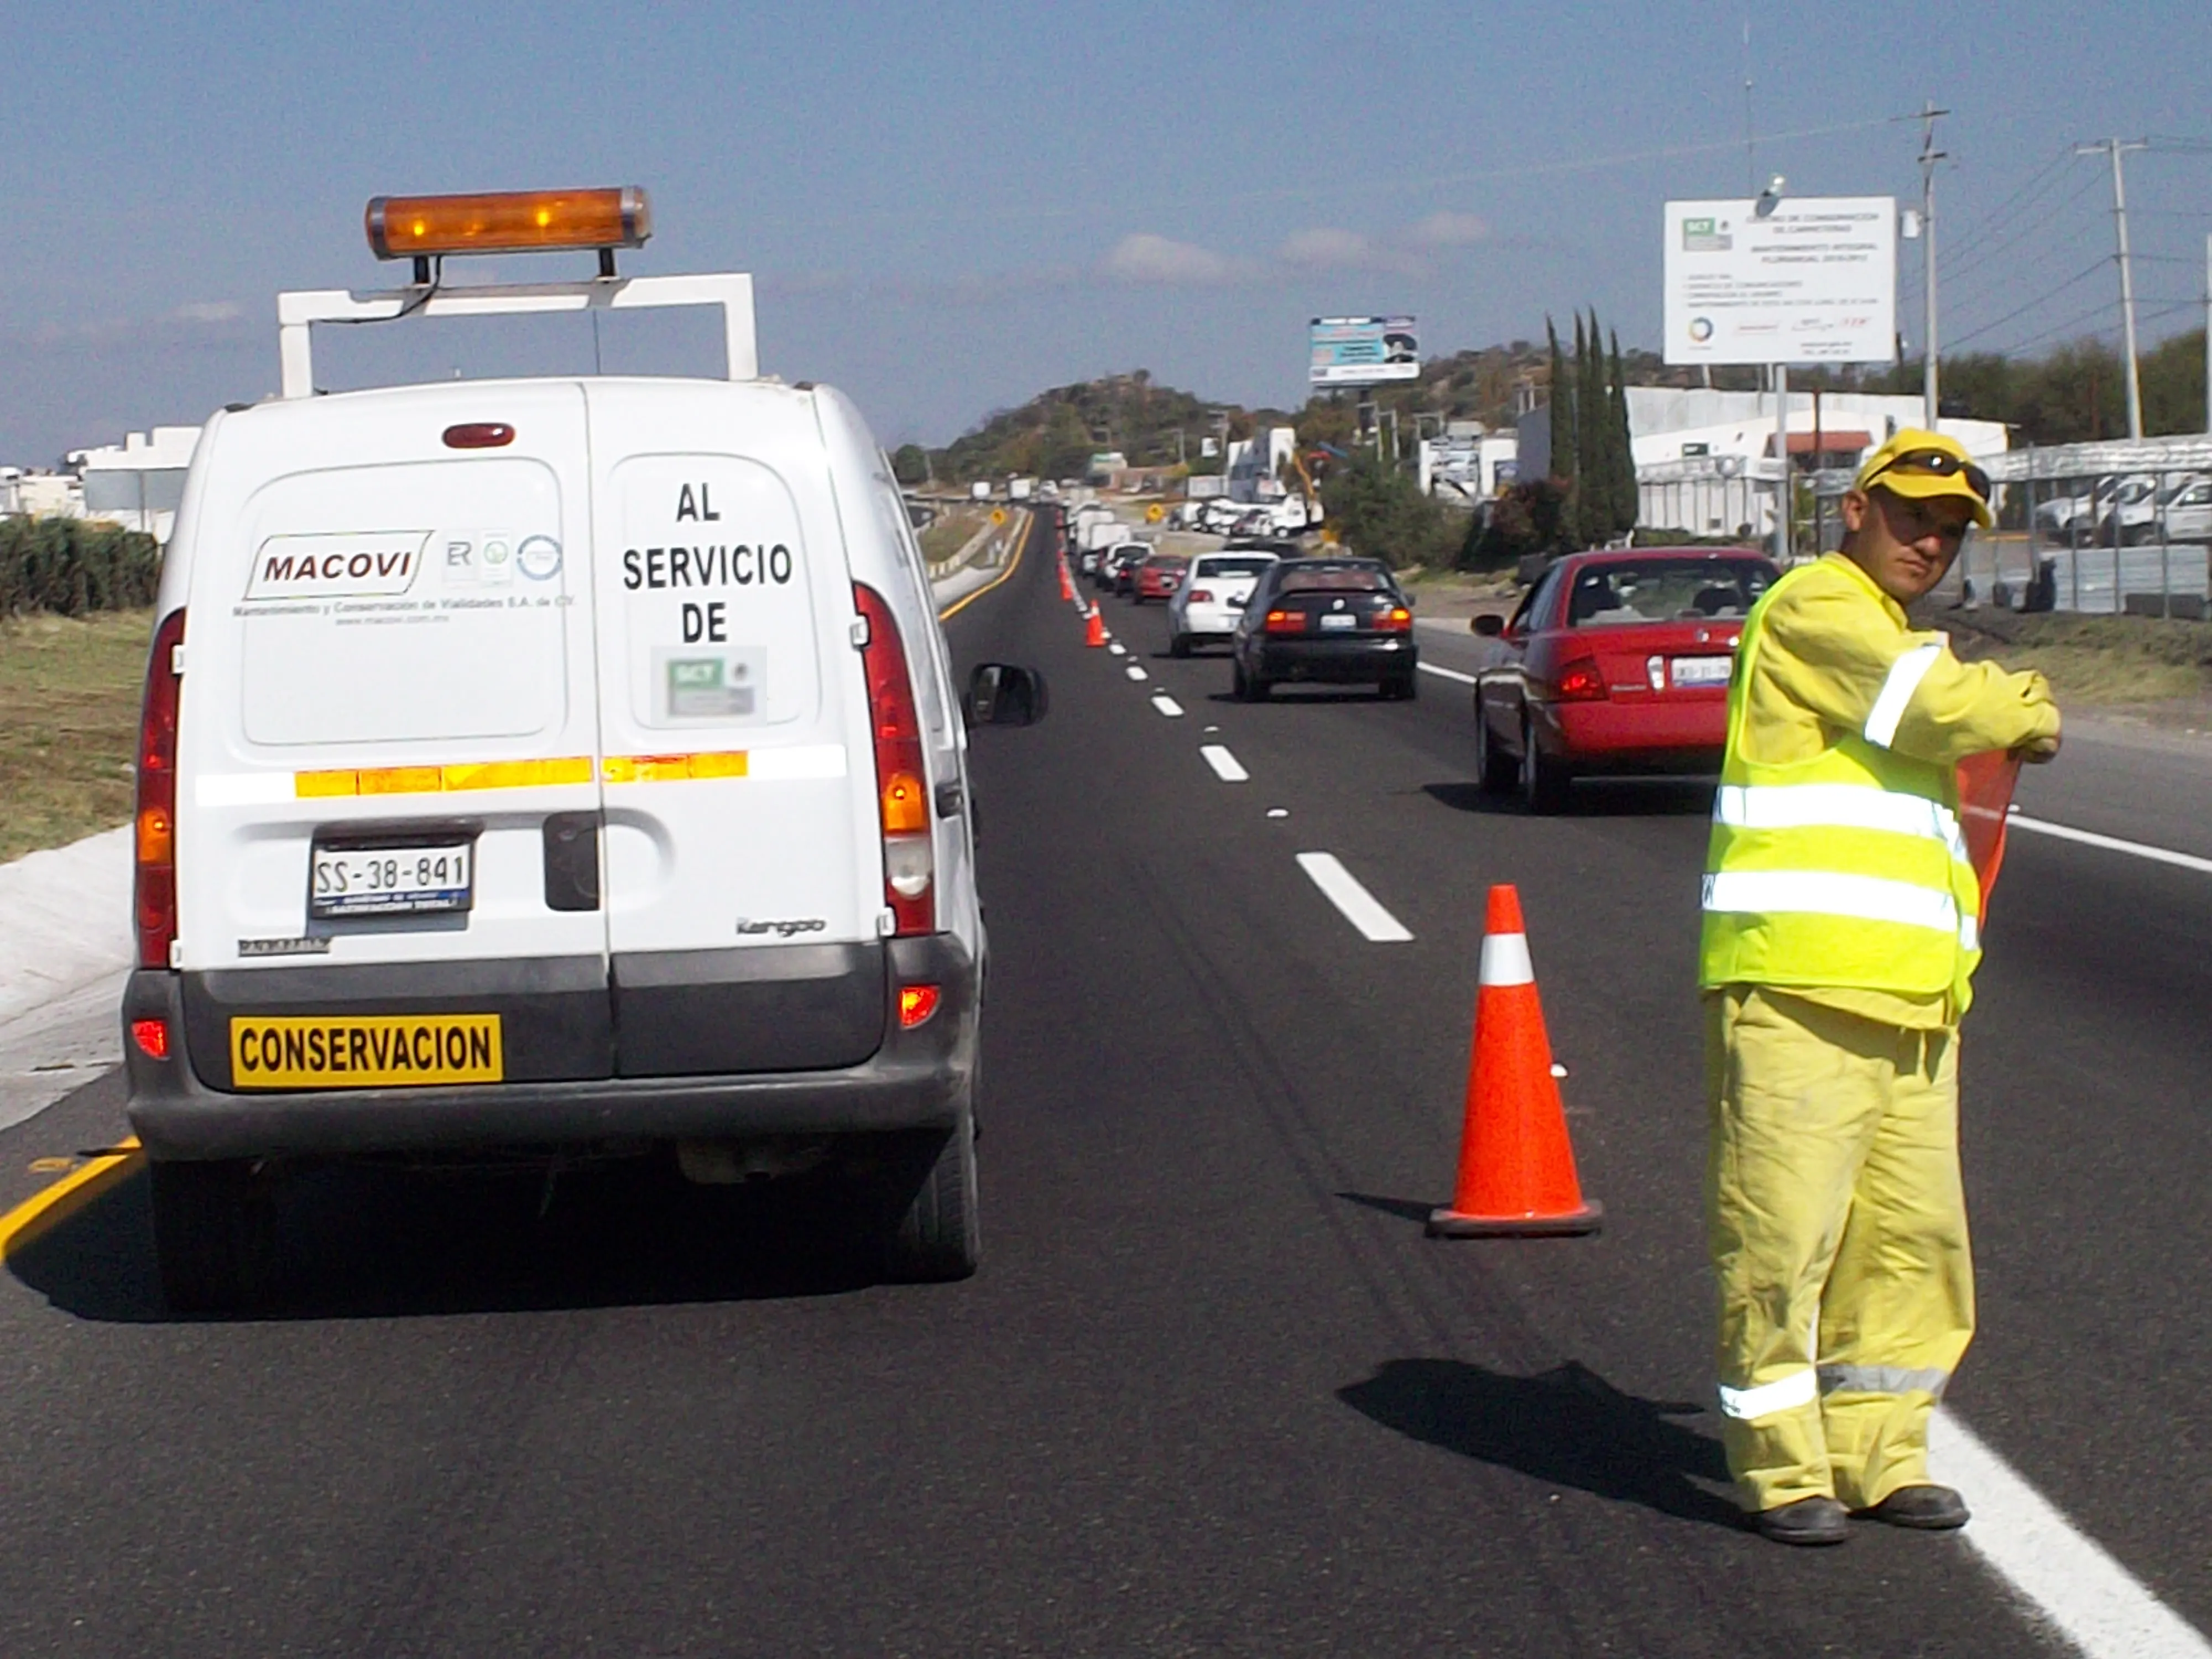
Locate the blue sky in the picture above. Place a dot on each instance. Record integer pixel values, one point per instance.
(949, 208)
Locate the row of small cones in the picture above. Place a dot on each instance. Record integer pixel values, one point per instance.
(1516, 1161)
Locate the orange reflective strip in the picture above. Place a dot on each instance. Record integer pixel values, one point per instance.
(436, 780)
(674, 769)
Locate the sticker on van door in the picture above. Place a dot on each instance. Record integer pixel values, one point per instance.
(710, 579)
(357, 564)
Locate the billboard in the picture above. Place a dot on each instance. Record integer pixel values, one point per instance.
(1363, 351)
(1812, 281)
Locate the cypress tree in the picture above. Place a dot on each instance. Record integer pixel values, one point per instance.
(1565, 439)
(1628, 500)
(1593, 470)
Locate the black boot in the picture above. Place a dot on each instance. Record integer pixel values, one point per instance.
(1928, 1507)
(1807, 1521)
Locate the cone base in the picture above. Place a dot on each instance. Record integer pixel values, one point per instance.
(1444, 1222)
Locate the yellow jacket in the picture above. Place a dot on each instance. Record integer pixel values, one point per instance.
(1830, 647)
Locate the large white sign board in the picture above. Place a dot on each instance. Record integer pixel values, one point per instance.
(1363, 351)
(1814, 281)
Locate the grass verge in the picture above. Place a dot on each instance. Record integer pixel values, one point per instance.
(2130, 662)
(949, 534)
(69, 721)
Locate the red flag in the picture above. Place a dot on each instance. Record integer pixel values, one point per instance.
(1985, 786)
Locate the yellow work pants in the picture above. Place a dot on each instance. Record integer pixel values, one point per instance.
(1838, 1228)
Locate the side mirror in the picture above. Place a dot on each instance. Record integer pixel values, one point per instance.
(1490, 627)
(1000, 693)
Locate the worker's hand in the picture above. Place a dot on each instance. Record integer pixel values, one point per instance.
(2036, 751)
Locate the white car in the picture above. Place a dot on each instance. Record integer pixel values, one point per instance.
(1219, 515)
(1214, 591)
(568, 766)
(2134, 515)
(2189, 515)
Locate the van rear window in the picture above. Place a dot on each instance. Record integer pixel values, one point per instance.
(403, 603)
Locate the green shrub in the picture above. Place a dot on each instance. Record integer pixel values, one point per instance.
(1380, 512)
(74, 567)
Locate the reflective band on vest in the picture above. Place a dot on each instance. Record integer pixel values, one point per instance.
(1835, 806)
(1883, 1379)
(1820, 892)
(1904, 679)
(1748, 1405)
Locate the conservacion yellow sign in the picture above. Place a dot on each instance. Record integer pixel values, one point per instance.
(374, 1051)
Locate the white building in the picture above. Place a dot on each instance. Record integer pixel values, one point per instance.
(1469, 463)
(1706, 461)
(40, 494)
(139, 483)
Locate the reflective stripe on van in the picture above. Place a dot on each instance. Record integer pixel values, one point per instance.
(256, 789)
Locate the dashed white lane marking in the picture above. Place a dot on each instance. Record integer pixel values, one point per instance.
(1226, 767)
(1117, 647)
(1445, 673)
(1167, 705)
(1278, 811)
(2112, 843)
(2102, 1609)
(1360, 907)
(1135, 672)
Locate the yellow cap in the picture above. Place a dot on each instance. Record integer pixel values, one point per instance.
(1924, 465)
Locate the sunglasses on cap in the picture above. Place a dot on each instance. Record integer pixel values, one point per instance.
(1936, 464)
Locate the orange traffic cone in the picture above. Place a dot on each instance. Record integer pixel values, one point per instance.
(1095, 633)
(1066, 585)
(1516, 1167)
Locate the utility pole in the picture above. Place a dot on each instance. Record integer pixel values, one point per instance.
(2207, 334)
(2116, 148)
(1930, 393)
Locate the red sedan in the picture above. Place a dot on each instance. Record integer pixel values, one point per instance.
(1158, 577)
(1616, 663)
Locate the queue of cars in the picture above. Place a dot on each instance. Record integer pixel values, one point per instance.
(1615, 664)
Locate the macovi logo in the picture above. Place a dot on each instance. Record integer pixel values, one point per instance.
(356, 563)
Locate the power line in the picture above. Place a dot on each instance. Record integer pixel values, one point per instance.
(2080, 276)
(2070, 324)
(1983, 253)
(2049, 176)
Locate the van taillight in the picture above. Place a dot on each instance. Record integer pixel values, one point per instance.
(902, 775)
(156, 831)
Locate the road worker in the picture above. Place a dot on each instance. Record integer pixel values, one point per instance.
(1840, 936)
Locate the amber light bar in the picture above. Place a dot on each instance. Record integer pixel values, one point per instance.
(508, 221)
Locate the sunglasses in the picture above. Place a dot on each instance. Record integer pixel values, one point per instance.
(1936, 464)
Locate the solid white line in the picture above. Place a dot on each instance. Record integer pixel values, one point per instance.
(2102, 1609)
(1226, 765)
(1342, 889)
(1136, 673)
(1445, 673)
(2112, 843)
(1167, 705)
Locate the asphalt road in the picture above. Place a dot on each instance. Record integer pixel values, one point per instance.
(1214, 1392)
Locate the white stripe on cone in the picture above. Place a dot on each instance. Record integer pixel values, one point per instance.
(1505, 960)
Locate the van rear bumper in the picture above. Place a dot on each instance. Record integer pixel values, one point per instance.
(917, 1079)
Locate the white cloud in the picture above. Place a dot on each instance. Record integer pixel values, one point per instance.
(209, 311)
(1328, 248)
(1447, 229)
(1147, 258)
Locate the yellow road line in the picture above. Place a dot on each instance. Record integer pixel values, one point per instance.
(45, 1210)
(1005, 576)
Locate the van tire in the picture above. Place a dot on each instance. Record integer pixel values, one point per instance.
(212, 1234)
(937, 1237)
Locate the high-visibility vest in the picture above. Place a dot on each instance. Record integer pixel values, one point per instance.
(1846, 869)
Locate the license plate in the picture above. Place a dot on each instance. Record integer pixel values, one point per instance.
(390, 881)
(1701, 671)
(1340, 620)
(373, 1051)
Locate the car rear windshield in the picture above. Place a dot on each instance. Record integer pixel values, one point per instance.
(1168, 561)
(1664, 590)
(1219, 566)
(1337, 579)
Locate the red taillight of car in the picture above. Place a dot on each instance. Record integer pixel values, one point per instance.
(1201, 596)
(152, 1036)
(916, 1003)
(1578, 681)
(1286, 622)
(1396, 620)
(902, 786)
(156, 831)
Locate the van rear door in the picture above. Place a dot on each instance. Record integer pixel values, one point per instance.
(744, 860)
(388, 748)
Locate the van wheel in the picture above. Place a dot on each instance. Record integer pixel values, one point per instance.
(212, 1234)
(938, 1236)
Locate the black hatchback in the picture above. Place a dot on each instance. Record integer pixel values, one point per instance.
(1336, 621)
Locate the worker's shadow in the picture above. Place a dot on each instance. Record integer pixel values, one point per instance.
(1568, 1427)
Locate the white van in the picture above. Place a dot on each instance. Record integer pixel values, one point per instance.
(570, 766)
